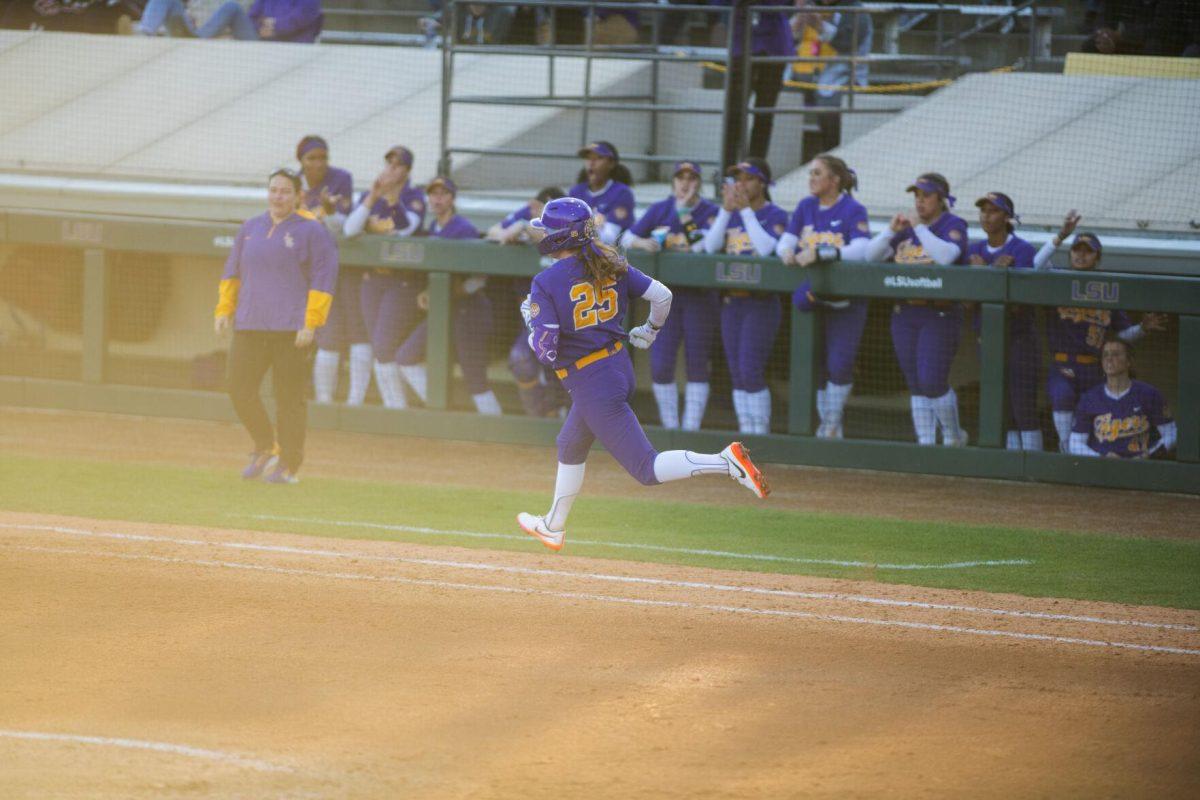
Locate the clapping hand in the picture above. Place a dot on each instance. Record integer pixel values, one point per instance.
(900, 223)
(1068, 226)
(806, 256)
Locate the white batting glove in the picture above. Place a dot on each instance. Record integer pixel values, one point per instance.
(643, 336)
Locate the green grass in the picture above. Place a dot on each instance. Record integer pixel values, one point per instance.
(1069, 565)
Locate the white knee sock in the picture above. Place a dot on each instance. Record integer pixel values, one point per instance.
(1012, 440)
(325, 375)
(823, 406)
(360, 373)
(667, 397)
(387, 378)
(946, 410)
(566, 488)
(1063, 420)
(1031, 440)
(758, 410)
(924, 421)
(739, 408)
(836, 395)
(673, 465)
(487, 404)
(416, 377)
(695, 400)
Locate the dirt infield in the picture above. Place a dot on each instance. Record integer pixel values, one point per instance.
(317, 668)
(154, 661)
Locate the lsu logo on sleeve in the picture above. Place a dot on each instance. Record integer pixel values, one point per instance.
(593, 305)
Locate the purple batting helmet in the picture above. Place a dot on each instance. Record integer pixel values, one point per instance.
(567, 222)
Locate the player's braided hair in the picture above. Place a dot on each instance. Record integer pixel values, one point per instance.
(601, 262)
(847, 178)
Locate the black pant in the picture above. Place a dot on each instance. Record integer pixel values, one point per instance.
(250, 356)
(766, 81)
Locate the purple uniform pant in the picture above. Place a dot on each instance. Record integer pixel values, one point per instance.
(1067, 382)
(692, 323)
(925, 339)
(600, 395)
(748, 329)
(345, 325)
(471, 327)
(389, 308)
(1024, 355)
(843, 332)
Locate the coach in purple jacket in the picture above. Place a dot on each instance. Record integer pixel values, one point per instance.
(267, 20)
(275, 292)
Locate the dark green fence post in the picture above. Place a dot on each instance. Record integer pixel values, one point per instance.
(95, 325)
(803, 372)
(437, 351)
(1187, 411)
(993, 340)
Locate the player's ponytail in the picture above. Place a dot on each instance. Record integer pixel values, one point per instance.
(601, 262)
(621, 174)
(847, 178)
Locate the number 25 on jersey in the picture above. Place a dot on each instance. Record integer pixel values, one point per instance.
(593, 306)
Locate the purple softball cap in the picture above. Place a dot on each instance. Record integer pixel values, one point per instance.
(688, 166)
(406, 156)
(441, 182)
(602, 149)
(751, 169)
(1001, 201)
(1089, 240)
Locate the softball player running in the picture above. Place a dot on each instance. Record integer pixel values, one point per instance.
(925, 334)
(679, 223)
(327, 194)
(395, 207)
(830, 225)
(1003, 248)
(1122, 417)
(472, 310)
(275, 292)
(575, 313)
(603, 184)
(1075, 336)
(748, 224)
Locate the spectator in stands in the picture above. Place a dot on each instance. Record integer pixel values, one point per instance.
(515, 229)
(770, 35)
(267, 20)
(67, 16)
(748, 224)
(389, 297)
(1003, 248)
(1076, 335)
(847, 34)
(1121, 417)
(274, 293)
(477, 24)
(925, 333)
(1147, 28)
(471, 311)
(604, 184)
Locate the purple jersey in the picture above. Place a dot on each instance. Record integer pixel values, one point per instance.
(1125, 426)
(522, 214)
(588, 318)
(664, 214)
(277, 266)
(1015, 253)
(738, 242)
(339, 183)
(838, 225)
(614, 202)
(948, 227)
(388, 218)
(1081, 331)
(458, 227)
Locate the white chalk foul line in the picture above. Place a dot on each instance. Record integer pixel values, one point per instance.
(635, 545)
(598, 576)
(158, 747)
(637, 601)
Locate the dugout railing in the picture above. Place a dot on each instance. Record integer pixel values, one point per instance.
(100, 237)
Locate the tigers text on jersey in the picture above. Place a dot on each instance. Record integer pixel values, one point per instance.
(837, 225)
(948, 227)
(588, 317)
(738, 242)
(614, 202)
(664, 213)
(388, 218)
(1125, 426)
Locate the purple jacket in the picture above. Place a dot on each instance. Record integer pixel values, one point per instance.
(295, 20)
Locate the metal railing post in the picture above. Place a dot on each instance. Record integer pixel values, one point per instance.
(802, 371)
(747, 70)
(589, 30)
(729, 141)
(447, 77)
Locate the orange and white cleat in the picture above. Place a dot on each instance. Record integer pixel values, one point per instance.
(742, 469)
(536, 527)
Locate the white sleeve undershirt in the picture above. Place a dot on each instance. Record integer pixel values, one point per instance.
(787, 245)
(764, 243)
(610, 233)
(1042, 259)
(937, 248)
(714, 240)
(879, 248)
(356, 221)
(856, 250)
(1168, 434)
(659, 297)
(1078, 445)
